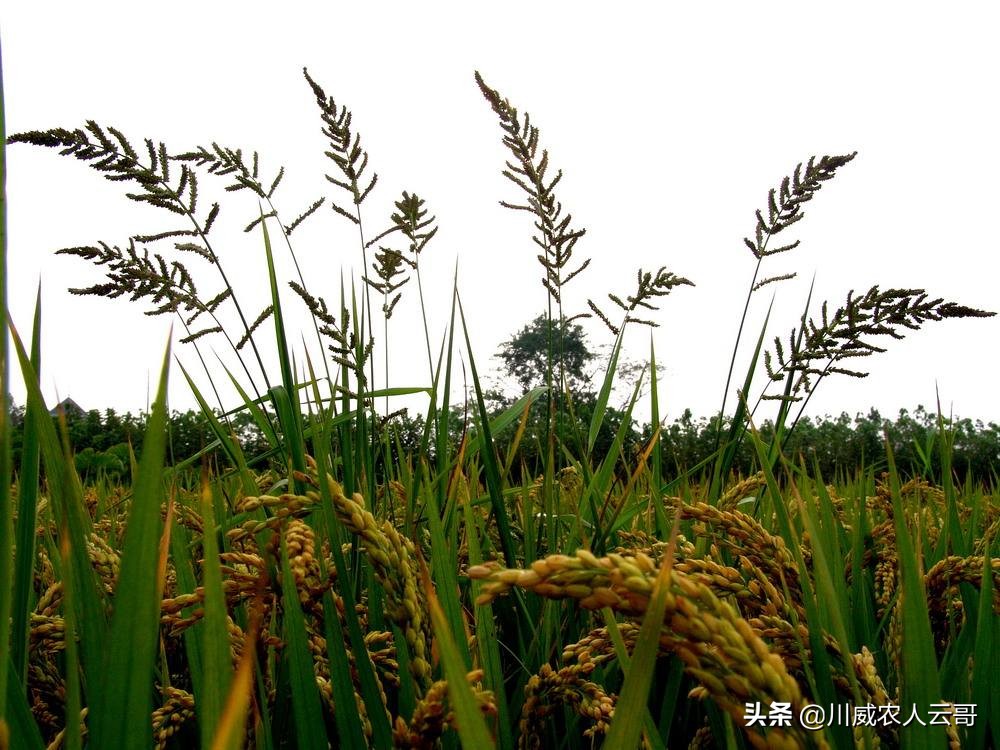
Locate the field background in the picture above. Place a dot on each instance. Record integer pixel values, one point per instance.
(338, 520)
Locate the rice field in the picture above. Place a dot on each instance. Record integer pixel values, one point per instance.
(338, 591)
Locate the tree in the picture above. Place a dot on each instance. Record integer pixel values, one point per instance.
(526, 356)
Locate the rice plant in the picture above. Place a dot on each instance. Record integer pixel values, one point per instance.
(337, 590)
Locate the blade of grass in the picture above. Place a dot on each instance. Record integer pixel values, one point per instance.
(370, 692)
(6, 503)
(653, 737)
(287, 374)
(310, 732)
(232, 721)
(601, 406)
(655, 496)
(444, 564)
(286, 403)
(180, 549)
(214, 635)
(348, 723)
(72, 738)
(599, 487)
(631, 711)
(828, 605)
(493, 481)
(920, 680)
(487, 636)
(19, 729)
(71, 519)
(986, 665)
(724, 462)
(27, 501)
(260, 418)
(819, 673)
(230, 446)
(472, 727)
(121, 708)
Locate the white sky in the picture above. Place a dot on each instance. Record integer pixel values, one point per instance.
(670, 123)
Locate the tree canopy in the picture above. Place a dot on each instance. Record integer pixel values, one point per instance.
(526, 354)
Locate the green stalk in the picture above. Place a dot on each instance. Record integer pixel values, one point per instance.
(631, 711)
(471, 726)
(74, 740)
(27, 490)
(285, 397)
(6, 501)
(307, 711)
(487, 635)
(348, 722)
(488, 449)
(89, 601)
(920, 678)
(302, 281)
(655, 493)
(369, 688)
(121, 705)
(212, 630)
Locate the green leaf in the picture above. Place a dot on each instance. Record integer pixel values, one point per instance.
(180, 554)
(371, 695)
(472, 727)
(290, 407)
(310, 732)
(920, 680)
(487, 633)
(348, 723)
(599, 487)
(597, 418)
(26, 531)
(212, 630)
(20, 722)
(229, 444)
(656, 497)
(984, 664)
(260, 419)
(122, 706)
(724, 461)
(653, 735)
(71, 520)
(631, 710)
(493, 481)
(7, 571)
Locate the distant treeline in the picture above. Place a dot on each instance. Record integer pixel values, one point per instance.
(842, 445)
(839, 445)
(101, 440)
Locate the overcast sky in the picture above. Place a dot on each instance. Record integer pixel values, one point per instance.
(670, 122)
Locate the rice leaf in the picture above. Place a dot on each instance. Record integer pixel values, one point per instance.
(68, 510)
(290, 403)
(121, 708)
(985, 663)
(487, 635)
(601, 406)
(492, 469)
(232, 721)
(307, 712)
(7, 571)
(471, 727)
(19, 723)
(214, 635)
(27, 501)
(631, 709)
(921, 686)
(348, 723)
